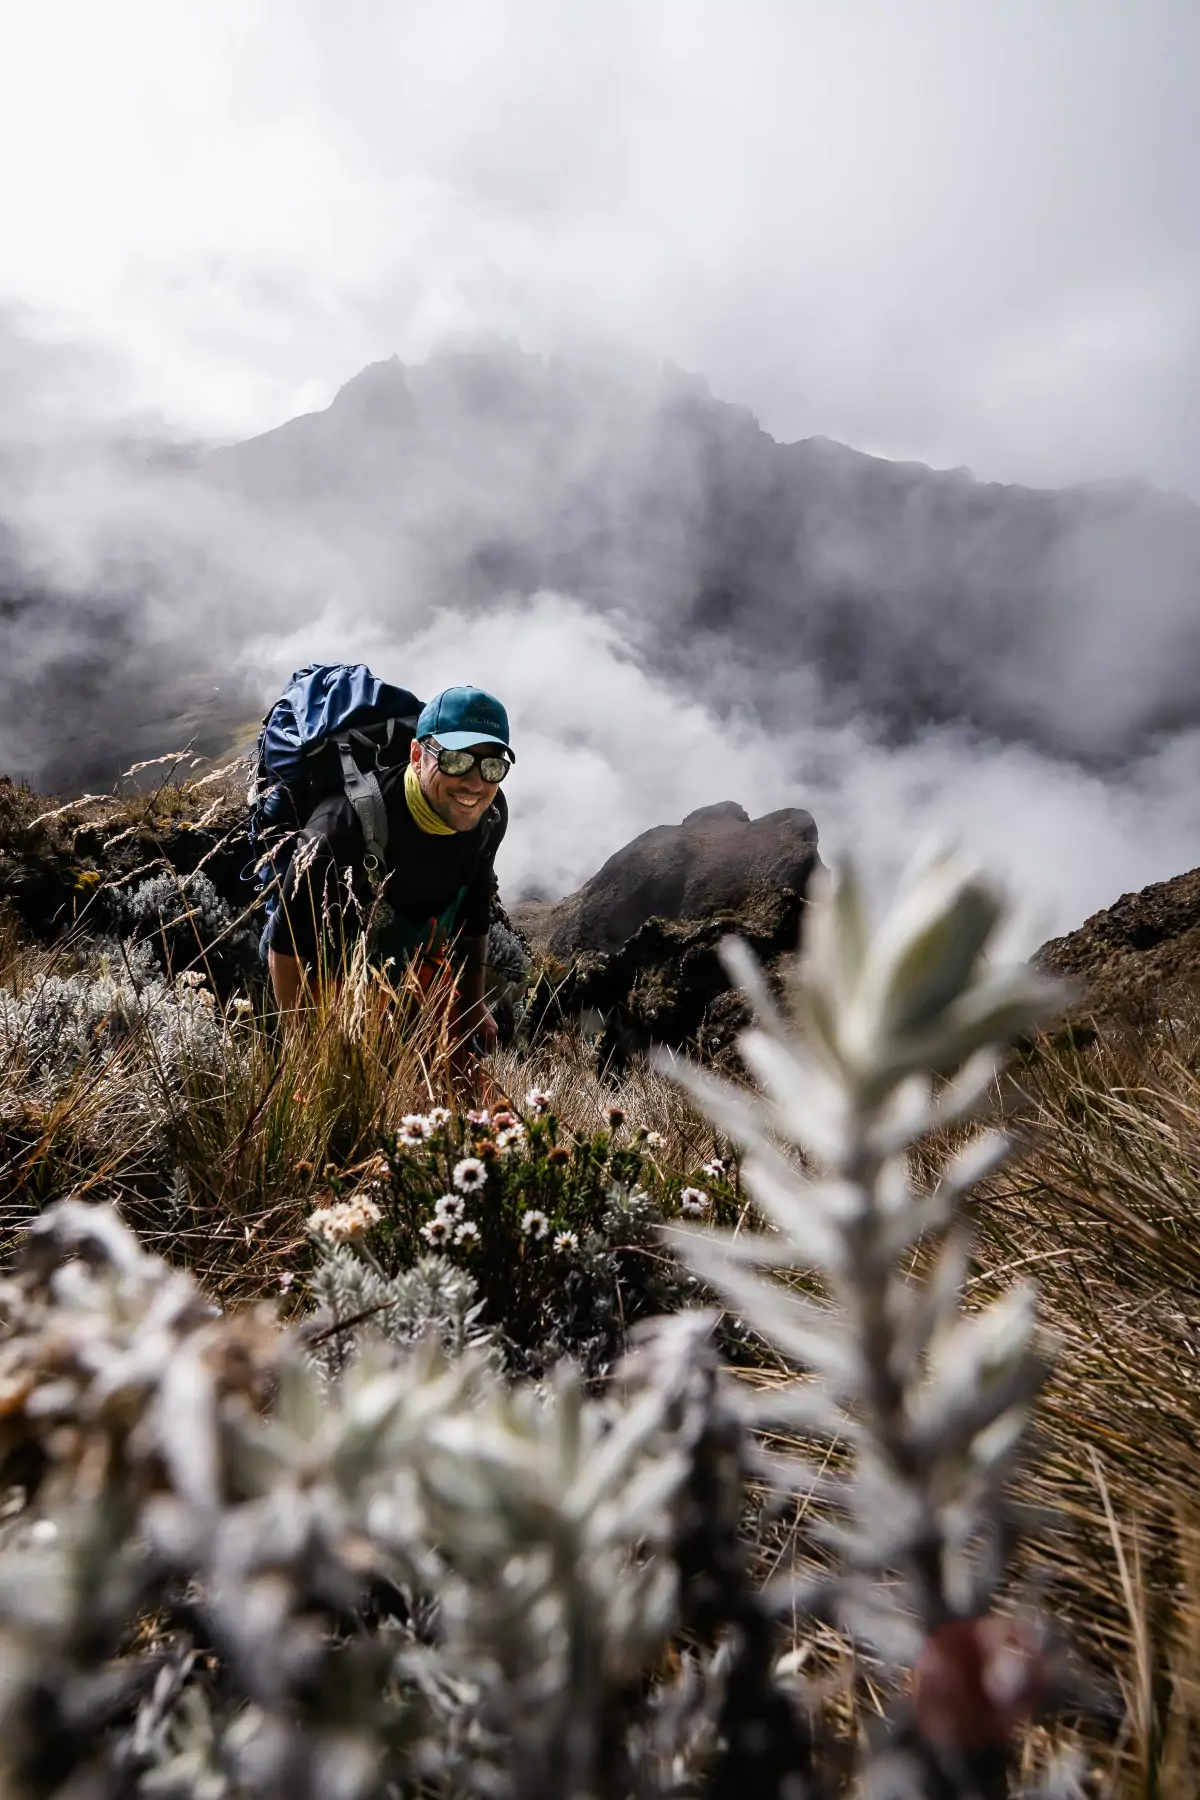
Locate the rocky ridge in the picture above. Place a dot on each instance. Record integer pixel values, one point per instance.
(1138, 960)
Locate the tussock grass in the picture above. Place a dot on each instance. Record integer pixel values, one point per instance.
(217, 1157)
(1102, 1208)
(254, 1136)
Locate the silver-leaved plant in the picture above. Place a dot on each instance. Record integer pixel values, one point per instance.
(897, 1037)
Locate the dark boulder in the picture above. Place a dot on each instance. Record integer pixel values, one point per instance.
(641, 940)
(705, 866)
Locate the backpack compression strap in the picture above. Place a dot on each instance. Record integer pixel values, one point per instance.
(365, 796)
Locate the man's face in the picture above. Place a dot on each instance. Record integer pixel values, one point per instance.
(459, 800)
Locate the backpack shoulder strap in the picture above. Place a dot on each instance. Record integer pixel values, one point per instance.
(365, 796)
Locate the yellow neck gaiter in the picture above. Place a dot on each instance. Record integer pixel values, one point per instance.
(424, 815)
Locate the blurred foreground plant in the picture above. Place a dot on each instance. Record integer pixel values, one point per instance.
(243, 1580)
(900, 1037)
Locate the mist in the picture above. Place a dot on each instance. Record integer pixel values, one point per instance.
(963, 240)
(606, 751)
(960, 234)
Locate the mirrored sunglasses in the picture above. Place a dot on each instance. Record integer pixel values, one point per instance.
(493, 768)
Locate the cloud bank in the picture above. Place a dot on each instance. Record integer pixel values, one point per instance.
(964, 234)
(607, 751)
(902, 673)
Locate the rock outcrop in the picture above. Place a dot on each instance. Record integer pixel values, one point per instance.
(708, 865)
(58, 860)
(1138, 961)
(666, 984)
(640, 941)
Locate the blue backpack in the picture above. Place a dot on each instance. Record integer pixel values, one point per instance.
(333, 726)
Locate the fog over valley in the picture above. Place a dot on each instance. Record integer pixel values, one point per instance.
(768, 406)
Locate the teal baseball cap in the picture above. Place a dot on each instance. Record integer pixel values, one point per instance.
(461, 716)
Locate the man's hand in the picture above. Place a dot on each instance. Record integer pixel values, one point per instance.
(485, 1029)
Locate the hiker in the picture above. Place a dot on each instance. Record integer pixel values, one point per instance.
(426, 899)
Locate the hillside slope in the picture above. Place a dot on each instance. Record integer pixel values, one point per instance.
(1138, 960)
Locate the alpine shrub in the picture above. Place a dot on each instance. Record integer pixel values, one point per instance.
(186, 921)
(59, 1023)
(356, 1304)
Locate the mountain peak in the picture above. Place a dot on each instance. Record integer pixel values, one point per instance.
(376, 389)
(910, 596)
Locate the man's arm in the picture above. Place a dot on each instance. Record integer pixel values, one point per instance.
(473, 1013)
(308, 927)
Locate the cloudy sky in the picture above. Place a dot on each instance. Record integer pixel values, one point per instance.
(960, 231)
(964, 231)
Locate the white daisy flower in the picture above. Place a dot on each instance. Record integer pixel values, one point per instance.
(566, 1241)
(655, 1140)
(414, 1129)
(479, 1118)
(450, 1206)
(715, 1170)
(694, 1202)
(439, 1116)
(510, 1140)
(437, 1231)
(467, 1233)
(538, 1100)
(469, 1175)
(535, 1224)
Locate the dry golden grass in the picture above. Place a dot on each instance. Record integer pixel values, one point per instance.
(217, 1163)
(1102, 1207)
